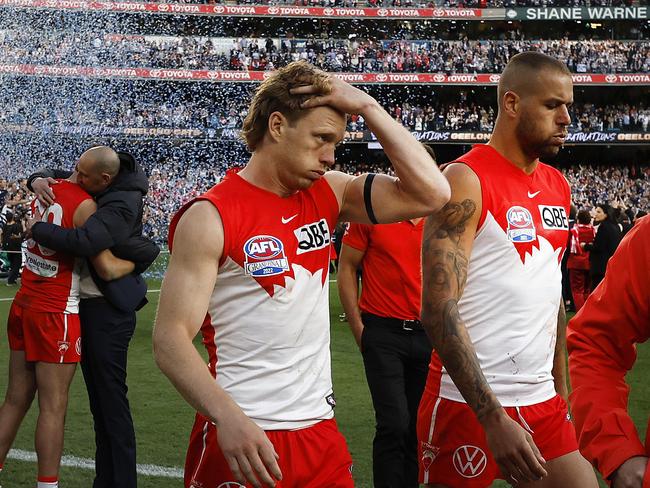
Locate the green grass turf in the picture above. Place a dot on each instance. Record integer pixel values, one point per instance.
(163, 420)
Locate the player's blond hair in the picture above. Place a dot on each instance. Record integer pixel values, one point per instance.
(273, 96)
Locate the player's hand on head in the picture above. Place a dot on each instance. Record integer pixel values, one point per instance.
(514, 450)
(42, 189)
(248, 451)
(342, 97)
(630, 474)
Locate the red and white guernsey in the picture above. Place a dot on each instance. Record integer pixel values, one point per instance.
(50, 279)
(267, 327)
(513, 290)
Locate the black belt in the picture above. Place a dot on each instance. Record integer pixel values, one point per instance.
(407, 325)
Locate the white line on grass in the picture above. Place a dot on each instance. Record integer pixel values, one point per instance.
(85, 463)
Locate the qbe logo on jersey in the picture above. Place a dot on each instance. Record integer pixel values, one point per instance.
(554, 217)
(520, 224)
(313, 236)
(265, 256)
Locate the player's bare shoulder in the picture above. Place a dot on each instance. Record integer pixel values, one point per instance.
(199, 230)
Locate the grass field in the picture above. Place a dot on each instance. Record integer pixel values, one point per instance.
(163, 420)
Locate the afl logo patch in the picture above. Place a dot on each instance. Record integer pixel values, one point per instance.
(520, 224)
(264, 256)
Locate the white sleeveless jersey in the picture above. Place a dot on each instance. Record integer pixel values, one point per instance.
(267, 328)
(514, 281)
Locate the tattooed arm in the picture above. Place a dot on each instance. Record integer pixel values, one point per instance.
(559, 359)
(447, 244)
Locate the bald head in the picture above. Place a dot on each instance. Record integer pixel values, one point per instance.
(102, 159)
(96, 169)
(524, 72)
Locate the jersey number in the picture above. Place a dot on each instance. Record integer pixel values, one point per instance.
(52, 214)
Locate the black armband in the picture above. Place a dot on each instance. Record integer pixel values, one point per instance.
(367, 187)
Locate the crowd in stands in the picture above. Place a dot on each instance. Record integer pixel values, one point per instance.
(196, 107)
(173, 180)
(343, 55)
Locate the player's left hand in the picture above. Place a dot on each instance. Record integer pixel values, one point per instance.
(513, 449)
(342, 97)
(42, 189)
(29, 223)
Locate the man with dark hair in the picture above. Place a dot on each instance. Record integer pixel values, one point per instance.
(249, 268)
(107, 308)
(494, 404)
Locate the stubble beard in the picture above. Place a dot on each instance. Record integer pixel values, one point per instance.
(527, 135)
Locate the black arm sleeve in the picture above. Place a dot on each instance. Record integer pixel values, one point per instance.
(47, 173)
(112, 224)
(84, 241)
(142, 251)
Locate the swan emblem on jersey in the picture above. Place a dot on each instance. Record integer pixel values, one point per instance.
(265, 256)
(520, 225)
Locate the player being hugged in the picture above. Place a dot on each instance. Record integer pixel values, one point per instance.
(45, 333)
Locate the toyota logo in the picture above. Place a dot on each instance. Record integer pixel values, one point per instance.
(274, 10)
(438, 12)
(494, 78)
(231, 484)
(219, 9)
(154, 73)
(381, 77)
(610, 78)
(213, 74)
(382, 12)
(469, 461)
(438, 78)
(328, 12)
(163, 7)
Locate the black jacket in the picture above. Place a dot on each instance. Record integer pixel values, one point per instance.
(12, 236)
(605, 243)
(116, 225)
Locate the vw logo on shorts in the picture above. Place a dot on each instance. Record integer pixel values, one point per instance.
(469, 461)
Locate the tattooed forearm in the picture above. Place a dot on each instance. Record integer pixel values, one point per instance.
(444, 266)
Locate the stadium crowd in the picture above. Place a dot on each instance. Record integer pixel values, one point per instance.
(201, 106)
(174, 181)
(349, 55)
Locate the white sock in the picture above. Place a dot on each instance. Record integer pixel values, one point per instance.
(47, 484)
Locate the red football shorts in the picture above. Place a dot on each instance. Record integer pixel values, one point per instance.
(49, 337)
(313, 457)
(453, 450)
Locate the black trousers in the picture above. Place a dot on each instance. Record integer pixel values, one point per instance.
(15, 261)
(396, 363)
(106, 333)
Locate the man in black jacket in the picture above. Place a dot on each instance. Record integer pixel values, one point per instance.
(12, 238)
(107, 308)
